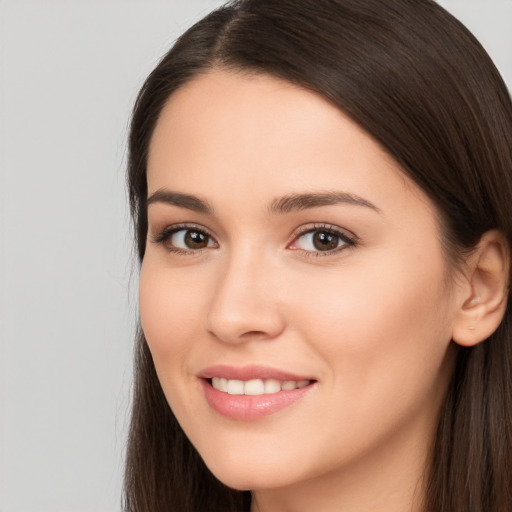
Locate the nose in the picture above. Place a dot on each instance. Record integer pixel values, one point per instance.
(245, 304)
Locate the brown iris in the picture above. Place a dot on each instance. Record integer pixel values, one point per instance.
(325, 241)
(196, 240)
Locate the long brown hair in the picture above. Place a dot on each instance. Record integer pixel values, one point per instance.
(415, 79)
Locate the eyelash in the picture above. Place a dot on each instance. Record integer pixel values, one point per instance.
(164, 236)
(348, 241)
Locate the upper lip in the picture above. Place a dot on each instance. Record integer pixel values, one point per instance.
(249, 372)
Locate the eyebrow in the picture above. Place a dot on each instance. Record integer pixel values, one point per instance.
(295, 202)
(187, 201)
(280, 205)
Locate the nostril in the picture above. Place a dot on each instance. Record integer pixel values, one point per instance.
(253, 334)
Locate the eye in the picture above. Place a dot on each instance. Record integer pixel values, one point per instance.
(185, 239)
(190, 239)
(322, 239)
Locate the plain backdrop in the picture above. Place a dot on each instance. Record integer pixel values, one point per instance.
(69, 72)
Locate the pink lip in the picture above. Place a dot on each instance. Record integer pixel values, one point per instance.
(246, 407)
(249, 372)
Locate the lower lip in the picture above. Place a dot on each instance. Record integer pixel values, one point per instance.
(249, 407)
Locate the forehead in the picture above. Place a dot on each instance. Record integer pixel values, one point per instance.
(227, 132)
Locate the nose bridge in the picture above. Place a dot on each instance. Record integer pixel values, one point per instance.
(244, 304)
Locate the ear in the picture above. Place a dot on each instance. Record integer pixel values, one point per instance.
(483, 298)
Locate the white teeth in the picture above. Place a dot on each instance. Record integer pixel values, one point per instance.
(272, 386)
(220, 383)
(223, 384)
(288, 385)
(256, 386)
(235, 387)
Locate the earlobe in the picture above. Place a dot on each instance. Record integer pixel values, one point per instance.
(484, 301)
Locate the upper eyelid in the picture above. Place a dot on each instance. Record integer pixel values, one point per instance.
(170, 228)
(303, 230)
(175, 228)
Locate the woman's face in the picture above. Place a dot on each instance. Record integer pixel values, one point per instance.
(294, 292)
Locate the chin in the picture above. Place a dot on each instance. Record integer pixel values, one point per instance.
(251, 479)
(243, 472)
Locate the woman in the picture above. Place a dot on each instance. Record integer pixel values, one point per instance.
(321, 194)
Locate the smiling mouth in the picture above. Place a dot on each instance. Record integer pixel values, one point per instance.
(256, 387)
(251, 393)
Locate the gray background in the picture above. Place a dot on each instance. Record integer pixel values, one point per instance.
(69, 72)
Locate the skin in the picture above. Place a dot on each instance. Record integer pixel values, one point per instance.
(372, 321)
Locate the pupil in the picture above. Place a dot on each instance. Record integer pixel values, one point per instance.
(196, 240)
(325, 241)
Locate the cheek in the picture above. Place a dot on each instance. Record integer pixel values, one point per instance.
(168, 312)
(169, 305)
(382, 326)
(383, 336)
